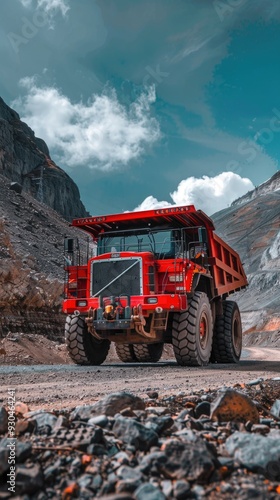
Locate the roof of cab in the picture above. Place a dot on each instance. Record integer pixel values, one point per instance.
(175, 217)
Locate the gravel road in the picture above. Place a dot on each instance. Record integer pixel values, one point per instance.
(65, 386)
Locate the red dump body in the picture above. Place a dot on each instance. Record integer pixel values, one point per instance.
(205, 255)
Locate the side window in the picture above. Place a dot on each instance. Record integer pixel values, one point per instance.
(164, 246)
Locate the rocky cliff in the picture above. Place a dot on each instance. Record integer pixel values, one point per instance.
(31, 264)
(252, 227)
(25, 159)
(267, 187)
(31, 233)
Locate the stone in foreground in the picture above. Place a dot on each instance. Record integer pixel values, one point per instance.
(135, 433)
(232, 406)
(257, 453)
(110, 405)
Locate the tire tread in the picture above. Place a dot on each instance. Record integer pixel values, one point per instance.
(184, 330)
(148, 353)
(81, 346)
(223, 349)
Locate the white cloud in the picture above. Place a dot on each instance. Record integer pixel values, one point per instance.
(49, 6)
(209, 194)
(101, 133)
(151, 202)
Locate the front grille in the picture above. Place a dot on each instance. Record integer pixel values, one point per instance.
(116, 277)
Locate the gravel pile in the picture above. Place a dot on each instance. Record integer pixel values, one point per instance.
(222, 444)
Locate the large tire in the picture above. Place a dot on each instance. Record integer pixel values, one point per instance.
(148, 353)
(218, 334)
(83, 348)
(125, 353)
(192, 332)
(227, 340)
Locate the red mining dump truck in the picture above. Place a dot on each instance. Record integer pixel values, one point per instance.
(158, 276)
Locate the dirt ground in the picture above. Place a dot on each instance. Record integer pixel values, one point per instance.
(44, 377)
(32, 349)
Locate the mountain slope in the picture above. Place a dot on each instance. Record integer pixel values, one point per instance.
(25, 159)
(252, 227)
(31, 264)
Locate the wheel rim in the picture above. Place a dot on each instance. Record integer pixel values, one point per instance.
(203, 330)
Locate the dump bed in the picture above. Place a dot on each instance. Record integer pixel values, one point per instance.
(227, 269)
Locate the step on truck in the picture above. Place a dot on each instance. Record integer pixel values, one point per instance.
(157, 277)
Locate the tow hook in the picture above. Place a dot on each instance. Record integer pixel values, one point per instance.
(139, 321)
(89, 322)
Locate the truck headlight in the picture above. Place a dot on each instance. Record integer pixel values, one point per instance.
(152, 300)
(81, 303)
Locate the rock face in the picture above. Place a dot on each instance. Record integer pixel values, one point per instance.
(269, 186)
(251, 227)
(31, 264)
(25, 159)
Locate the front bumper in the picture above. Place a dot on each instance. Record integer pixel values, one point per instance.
(167, 302)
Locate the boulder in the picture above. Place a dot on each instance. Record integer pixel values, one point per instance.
(134, 433)
(231, 405)
(110, 405)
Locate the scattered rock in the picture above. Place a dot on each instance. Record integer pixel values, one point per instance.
(109, 406)
(118, 496)
(135, 433)
(149, 492)
(130, 479)
(234, 406)
(148, 455)
(187, 460)
(23, 426)
(181, 489)
(152, 394)
(21, 408)
(29, 479)
(256, 381)
(203, 408)
(260, 428)
(255, 452)
(100, 420)
(158, 410)
(159, 424)
(275, 409)
(17, 450)
(44, 422)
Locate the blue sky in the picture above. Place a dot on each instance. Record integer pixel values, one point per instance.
(148, 102)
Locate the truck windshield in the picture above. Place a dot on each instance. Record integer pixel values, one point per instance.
(160, 243)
